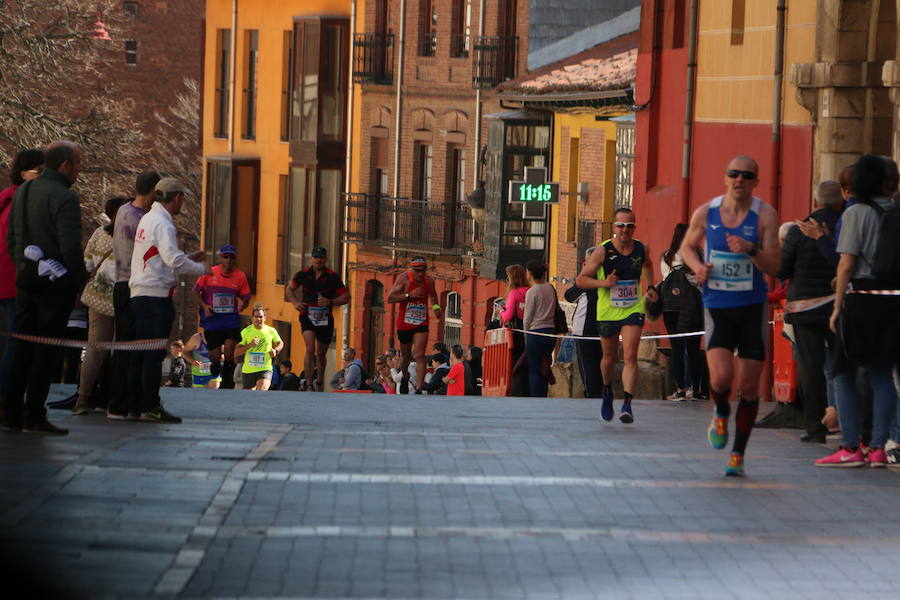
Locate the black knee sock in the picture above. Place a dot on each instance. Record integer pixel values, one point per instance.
(215, 369)
(228, 375)
(628, 397)
(607, 389)
(723, 407)
(746, 417)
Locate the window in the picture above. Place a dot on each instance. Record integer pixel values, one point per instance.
(223, 64)
(131, 9)
(625, 141)
(453, 319)
(307, 92)
(287, 83)
(232, 210)
(429, 18)
(462, 28)
(423, 171)
(456, 175)
(131, 48)
(524, 225)
(738, 10)
(284, 196)
(333, 82)
(303, 182)
(572, 200)
(251, 62)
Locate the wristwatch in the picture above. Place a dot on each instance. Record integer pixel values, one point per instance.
(407, 295)
(753, 250)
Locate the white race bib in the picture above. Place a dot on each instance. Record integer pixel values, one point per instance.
(204, 368)
(256, 359)
(223, 303)
(416, 314)
(624, 294)
(318, 315)
(731, 272)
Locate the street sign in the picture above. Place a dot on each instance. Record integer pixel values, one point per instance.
(535, 188)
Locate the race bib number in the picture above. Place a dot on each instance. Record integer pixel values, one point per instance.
(223, 303)
(731, 272)
(416, 314)
(318, 315)
(256, 359)
(204, 368)
(624, 294)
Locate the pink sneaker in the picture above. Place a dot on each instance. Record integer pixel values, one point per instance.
(843, 458)
(876, 458)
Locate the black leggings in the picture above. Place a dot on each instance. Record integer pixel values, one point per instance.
(681, 346)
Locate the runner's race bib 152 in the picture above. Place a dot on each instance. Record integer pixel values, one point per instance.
(416, 314)
(731, 272)
(624, 294)
(256, 359)
(318, 315)
(223, 303)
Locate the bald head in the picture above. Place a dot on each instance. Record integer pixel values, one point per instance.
(784, 230)
(828, 195)
(65, 157)
(744, 162)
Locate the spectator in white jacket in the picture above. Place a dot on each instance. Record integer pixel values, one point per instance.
(155, 263)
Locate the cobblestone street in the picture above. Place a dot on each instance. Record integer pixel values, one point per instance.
(341, 496)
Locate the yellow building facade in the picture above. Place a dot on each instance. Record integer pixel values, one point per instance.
(276, 107)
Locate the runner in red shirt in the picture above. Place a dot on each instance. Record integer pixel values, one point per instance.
(221, 295)
(413, 291)
(313, 292)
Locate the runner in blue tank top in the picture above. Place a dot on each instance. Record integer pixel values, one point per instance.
(741, 234)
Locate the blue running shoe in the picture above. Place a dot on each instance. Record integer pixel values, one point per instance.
(626, 415)
(735, 466)
(718, 431)
(606, 406)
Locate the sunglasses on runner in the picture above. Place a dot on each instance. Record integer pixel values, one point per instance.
(622, 225)
(747, 175)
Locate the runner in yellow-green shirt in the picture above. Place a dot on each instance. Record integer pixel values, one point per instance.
(260, 344)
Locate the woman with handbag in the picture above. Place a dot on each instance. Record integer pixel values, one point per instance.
(512, 315)
(98, 297)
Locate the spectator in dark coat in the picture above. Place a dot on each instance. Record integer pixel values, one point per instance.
(436, 384)
(810, 276)
(289, 382)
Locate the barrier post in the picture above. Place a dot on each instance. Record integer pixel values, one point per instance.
(497, 362)
(784, 367)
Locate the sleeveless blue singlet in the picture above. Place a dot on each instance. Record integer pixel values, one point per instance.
(734, 280)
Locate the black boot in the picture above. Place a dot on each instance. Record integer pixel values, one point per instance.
(227, 375)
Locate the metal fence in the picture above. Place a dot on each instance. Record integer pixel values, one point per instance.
(495, 60)
(373, 58)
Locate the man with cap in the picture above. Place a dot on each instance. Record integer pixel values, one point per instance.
(414, 291)
(221, 296)
(319, 289)
(155, 263)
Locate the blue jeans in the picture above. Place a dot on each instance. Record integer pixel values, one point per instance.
(884, 401)
(153, 319)
(8, 310)
(895, 428)
(830, 392)
(536, 348)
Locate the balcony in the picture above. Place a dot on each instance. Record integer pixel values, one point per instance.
(428, 44)
(460, 45)
(373, 58)
(495, 60)
(444, 228)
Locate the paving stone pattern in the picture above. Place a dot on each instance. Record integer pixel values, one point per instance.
(339, 496)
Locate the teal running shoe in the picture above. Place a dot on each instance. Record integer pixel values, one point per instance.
(735, 466)
(718, 431)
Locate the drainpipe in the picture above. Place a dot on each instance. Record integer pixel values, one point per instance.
(690, 97)
(232, 75)
(776, 99)
(478, 97)
(401, 48)
(345, 259)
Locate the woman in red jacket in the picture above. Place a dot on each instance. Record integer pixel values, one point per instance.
(27, 165)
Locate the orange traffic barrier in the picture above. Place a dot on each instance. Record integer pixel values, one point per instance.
(784, 367)
(352, 391)
(497, 362)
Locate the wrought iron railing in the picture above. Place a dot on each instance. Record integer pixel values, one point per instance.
(495, 60)
(460, 44)
(373, 58)
(427, 226)
(428, 44)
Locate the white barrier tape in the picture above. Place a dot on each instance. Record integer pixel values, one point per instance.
(591, 338)
(796, 306)
(133, 346)
(877, 292)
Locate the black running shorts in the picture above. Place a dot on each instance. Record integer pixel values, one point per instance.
(741, 328)
(405, 336)
(216, 339)
(324, 334)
